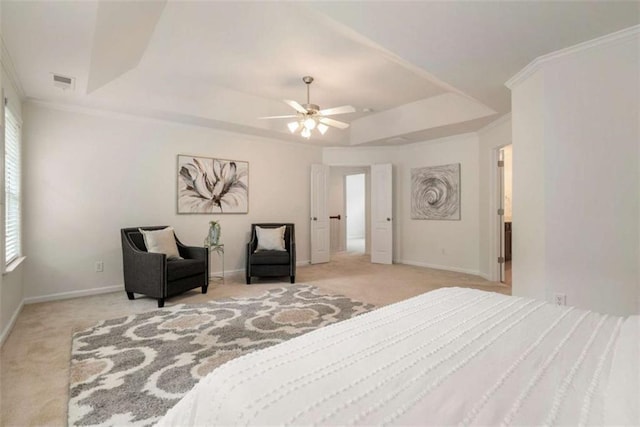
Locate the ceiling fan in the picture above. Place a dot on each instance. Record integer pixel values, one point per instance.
(309, 116)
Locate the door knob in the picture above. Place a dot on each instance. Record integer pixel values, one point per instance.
(315, 218)
(388, 219)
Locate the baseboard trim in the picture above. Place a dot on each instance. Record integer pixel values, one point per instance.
(109, 289)
(218, 274)
(485, 276)
(74, 294)
(441, 267)
(12, 322)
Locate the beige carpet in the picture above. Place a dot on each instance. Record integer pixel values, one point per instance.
(35, 358)
(135, 368)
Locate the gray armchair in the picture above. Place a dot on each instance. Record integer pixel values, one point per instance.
(152, 274)
(272, 263)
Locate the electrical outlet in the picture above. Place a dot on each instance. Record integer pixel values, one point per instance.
(99, 266)
(560, 299)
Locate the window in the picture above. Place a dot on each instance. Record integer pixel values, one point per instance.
(12, 247)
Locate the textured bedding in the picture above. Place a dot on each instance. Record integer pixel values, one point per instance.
(451, 356)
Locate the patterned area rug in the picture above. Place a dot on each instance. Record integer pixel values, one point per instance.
(131, 370)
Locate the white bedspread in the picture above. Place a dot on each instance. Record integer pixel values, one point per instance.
(451, 356)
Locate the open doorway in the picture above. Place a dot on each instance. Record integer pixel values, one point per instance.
(356, 215)
(349, 210)
(328, 231)
(505, 166)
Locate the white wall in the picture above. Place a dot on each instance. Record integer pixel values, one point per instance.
(422, 242)
(91, 174)
(450, 245)
(593, 257)
(576, 138)
(528, 237)
(491, 138)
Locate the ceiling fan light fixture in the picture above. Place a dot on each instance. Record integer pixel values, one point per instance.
(323, 128)
(310, 116)
(310, 123)
(293, 126)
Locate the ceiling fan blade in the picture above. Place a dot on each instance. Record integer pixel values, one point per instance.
(293, 104)
(278, 117)
(338, 110)
(335, 123)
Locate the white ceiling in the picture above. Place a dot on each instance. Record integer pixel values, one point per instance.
(424, 69)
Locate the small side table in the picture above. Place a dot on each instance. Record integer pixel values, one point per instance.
(219, 250)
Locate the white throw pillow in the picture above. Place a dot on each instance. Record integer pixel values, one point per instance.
(161, 242)
(270, 239)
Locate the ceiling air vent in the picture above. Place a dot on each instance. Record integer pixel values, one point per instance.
(64, 82)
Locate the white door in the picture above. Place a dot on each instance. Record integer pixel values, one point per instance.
(501, 253)
(381, 214)
(320, 230)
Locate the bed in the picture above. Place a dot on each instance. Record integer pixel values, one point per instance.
(451, 356)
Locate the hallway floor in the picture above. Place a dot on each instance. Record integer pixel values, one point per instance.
(356, 245)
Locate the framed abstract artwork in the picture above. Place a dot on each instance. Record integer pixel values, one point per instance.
(209, 185)
(435, 192)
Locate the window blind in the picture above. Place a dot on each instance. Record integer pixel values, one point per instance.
(12, 247)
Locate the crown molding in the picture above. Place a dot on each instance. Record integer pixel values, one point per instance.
(10, 70)
(600, 41)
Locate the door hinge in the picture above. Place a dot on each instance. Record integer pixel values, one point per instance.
(500, 260)
(500, 163)
(500, 211)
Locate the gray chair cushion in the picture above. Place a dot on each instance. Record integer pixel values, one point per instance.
(272, 263)
(138, 240)
(181, 268)
(269, 257)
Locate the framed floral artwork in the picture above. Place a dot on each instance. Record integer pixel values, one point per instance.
(208, 185)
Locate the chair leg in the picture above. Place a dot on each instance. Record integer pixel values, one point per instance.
(204, 289)
(293, 279)
(130, 295)
(160, 302)
(248, 280)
